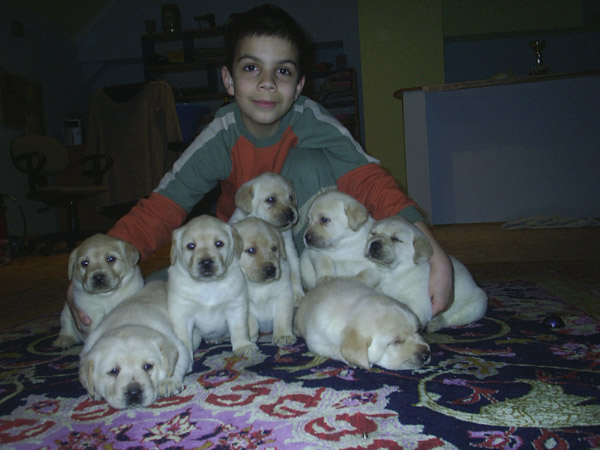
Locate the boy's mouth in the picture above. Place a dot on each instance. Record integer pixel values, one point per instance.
(265, 104)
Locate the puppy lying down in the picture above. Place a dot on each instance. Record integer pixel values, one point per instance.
(133, 357)
(402, 253)
(348, 321)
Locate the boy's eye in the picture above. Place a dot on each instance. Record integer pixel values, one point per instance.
(250, 68)
(284, 71)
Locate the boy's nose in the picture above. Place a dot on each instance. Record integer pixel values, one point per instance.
(267, 82)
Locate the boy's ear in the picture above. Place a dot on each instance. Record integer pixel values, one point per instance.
(228, 80)
(300, 86)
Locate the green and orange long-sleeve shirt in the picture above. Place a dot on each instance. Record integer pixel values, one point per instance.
(311, 148)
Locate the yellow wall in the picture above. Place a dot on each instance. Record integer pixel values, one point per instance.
(401, 45)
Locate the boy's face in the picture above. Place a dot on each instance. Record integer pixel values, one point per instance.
(264, 81)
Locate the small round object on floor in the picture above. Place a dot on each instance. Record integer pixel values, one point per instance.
(553, 321)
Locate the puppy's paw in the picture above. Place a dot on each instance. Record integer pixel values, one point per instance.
(169, 386)
(246, 350)
(64, 341)
(284, 341)
(435, 324)
(216, 340)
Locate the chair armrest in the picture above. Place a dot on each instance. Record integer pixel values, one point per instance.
(34, 163)
(101, 164)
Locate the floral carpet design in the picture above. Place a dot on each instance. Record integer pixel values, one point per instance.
(505, 382)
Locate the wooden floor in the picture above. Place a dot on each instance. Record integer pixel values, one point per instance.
(566, 261)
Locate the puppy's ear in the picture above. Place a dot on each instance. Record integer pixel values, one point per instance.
(423, 249)
(174, 239)
(281, 245)
(357, 215)
(131, 253)
(355, 348)
(170, 356)
(86, 375)
(238, 243)
(243, 198)
(72, 261)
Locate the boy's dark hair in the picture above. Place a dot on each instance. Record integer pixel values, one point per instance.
(265, 20)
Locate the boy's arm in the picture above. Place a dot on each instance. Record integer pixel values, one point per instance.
(150, 223)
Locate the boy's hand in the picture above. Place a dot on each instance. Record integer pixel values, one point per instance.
(441, 276)
(80, 318)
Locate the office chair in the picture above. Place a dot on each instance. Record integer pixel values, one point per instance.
(41, 156)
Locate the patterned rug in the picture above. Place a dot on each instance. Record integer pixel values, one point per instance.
(506, 382)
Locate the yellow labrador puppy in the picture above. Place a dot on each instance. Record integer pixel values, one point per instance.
(345, 320)
(272, 198)
(133, 357)
(104, 272)
(206, 289)
(402, 253)
(338, 227)
(265, 266)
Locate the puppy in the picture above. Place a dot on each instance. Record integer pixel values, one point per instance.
(402, 253)
(207, 290)
(133, 357)
(265, 266)
(338, 227)
(345, 320)
(272, 198)
(104, 272)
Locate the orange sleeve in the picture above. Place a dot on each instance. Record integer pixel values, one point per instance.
(375, 188)
(149, 224)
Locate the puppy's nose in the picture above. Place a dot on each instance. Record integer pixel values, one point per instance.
(269, 271)
(98, 279)
(374, 247)
(134, 393)
(206, 264)
(308, 237)
(424, 355)
(289, 215)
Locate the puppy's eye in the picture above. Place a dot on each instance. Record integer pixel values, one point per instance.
(398, 341)
(111, 259)
(191, 246)
(251, 251)
(271, 200)
(85, 263)
(148, 367)
(292, 199)
(274, 249)
(324, 219)
(395, 239)
(114, 372)
(219, 244)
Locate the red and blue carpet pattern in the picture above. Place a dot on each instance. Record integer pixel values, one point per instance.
(506, 382)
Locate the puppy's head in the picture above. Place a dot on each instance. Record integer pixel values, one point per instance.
(394, 241)
(126, 367)
(402, 347)
(393, 343)
(101, 264)
(332, 217)
(264, 250)
(205, 247)
(269, 197)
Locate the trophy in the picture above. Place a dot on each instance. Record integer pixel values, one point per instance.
(537, 46)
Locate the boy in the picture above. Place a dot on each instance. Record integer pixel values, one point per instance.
(270, 127)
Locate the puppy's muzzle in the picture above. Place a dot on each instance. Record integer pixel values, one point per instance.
(134, 394)
(99, 280)
(287, 218)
